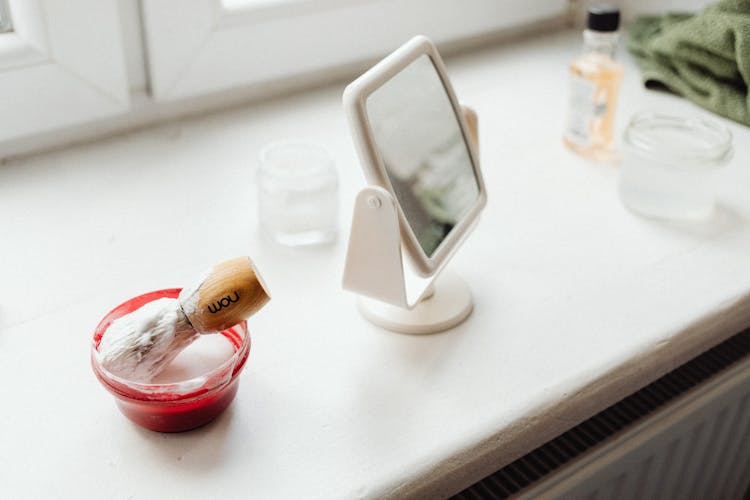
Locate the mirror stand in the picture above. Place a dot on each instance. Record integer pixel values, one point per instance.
(448, 306)
(392, 296)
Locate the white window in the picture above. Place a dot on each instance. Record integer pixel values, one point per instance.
(72, 62)
(61, 64)
(218, 44)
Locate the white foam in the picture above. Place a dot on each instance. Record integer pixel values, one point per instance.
(139, 345)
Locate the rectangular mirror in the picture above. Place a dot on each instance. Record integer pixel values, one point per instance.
(413, 141)
(426, 158)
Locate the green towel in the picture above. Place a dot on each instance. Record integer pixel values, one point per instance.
(704, 57)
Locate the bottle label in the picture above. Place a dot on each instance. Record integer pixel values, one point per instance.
(582, 110)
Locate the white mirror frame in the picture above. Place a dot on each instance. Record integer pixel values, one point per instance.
(355, 105)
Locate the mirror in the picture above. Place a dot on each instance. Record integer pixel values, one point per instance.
(420, 141)
(424, 195)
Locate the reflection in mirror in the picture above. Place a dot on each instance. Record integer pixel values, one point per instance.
(419, 139)
(5, 24)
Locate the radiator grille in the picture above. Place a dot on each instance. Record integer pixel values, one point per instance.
(729, 438)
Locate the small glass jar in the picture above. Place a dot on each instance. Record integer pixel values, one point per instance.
(177, 406)
(670, 165)
(298, 193)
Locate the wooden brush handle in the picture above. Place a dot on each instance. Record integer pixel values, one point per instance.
(231, 292)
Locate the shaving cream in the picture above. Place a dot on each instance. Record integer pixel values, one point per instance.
(139, 345)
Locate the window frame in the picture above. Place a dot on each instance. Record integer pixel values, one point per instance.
(51, 75)
(216, 45)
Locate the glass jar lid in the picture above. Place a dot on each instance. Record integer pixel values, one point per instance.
(679, 140)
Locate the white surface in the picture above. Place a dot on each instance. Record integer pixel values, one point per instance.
(218, 44)
(577, 303)
(62, 65)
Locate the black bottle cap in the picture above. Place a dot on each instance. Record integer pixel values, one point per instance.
(603, 18)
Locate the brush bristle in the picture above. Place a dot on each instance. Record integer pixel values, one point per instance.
(139, 345)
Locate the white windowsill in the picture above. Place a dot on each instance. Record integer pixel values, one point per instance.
(577, 302)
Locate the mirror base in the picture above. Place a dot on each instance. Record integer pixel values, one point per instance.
(447, 307)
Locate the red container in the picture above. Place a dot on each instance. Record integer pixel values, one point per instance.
(178, 406)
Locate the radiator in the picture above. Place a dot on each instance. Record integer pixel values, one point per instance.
(687, 435)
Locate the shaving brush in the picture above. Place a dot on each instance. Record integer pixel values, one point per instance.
(141, 344)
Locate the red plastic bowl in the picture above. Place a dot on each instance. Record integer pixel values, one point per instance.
(178, 406)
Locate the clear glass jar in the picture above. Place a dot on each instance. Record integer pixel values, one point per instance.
(670, 165)
(298, 193)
